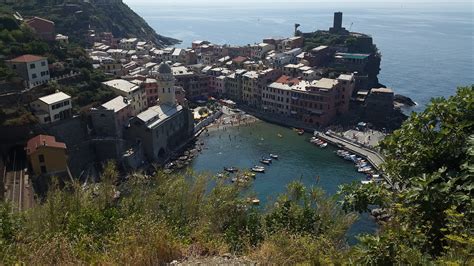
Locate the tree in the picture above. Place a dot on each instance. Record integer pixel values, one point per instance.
(431, 155)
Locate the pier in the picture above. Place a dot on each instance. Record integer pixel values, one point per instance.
(372, 156)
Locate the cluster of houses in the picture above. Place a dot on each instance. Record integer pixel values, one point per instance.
(150, 117)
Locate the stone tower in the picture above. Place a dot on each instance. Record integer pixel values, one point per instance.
(166, 89)
(337, 25)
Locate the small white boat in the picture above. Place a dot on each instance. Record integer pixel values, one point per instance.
(265, 161)
(258, 169)
(324, 145)
(349, 157)
(364, 169)
(366, 182)
(234, 179)
(274, 156)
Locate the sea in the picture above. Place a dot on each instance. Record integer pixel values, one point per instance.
(427, 48)
(427, 51)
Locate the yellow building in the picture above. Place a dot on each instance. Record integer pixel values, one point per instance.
(46, 155)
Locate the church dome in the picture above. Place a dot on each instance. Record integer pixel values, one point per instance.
(164, 68)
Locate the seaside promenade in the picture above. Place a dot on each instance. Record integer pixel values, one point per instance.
(372, 156)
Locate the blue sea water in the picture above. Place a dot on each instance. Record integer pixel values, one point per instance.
(427, 49)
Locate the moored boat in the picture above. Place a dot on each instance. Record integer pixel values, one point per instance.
(274, 156)
(266, 161)
(323, 145)
(258, 169)
(231, 169)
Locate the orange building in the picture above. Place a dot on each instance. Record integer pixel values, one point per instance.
(46, 155)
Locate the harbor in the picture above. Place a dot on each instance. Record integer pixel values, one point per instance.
(245, 146)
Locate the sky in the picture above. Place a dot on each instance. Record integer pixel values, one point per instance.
(417, 4)
(227, 2)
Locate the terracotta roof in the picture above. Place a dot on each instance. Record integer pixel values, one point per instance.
(43, 140)
(27, 58)
(287, 80)
(239, 59)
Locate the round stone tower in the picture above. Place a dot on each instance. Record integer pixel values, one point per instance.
(165, 80)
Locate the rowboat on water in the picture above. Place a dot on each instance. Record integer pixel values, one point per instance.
(258, 169)
(231, 169)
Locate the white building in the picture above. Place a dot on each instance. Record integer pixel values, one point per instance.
(128, 44)
(52, 108)
(259, 50)
(33, 69)
(134, 93)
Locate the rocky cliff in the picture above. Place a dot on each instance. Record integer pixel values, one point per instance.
(75, 17)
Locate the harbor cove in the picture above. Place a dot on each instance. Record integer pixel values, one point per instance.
(243, 145)
(237, 132)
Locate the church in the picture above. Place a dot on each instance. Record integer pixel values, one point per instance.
(164, 127)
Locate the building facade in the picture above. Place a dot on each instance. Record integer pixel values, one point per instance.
(45, 29)
(32, 69)
(46, 155)
(134, 93)
(52, 108)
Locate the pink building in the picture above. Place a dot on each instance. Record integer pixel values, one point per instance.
(151, 91)
(316, 103)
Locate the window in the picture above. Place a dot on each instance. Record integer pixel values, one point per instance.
(41, 158)
(33, 76)
(32, 66)
(56, 116)
(43, 169)
(43, 63)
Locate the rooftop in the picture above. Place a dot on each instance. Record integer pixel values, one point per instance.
(346, 77)
(181, 70)
(351, 56)
(319, 48)
(287, 80)
(326, 83)
(155, 115)
(54, 98)
(239, 59)
(27, 58)
(121, 84)
(116, 104)
(42, 141)
(381, 90)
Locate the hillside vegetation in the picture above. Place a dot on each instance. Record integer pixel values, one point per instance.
(74, 18)
(158, 219)
(17, 39)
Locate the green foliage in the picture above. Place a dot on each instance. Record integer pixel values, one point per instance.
(159, 219)
(116, 18)
(432, 156)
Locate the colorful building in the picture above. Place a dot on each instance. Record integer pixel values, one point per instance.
(46, 155)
